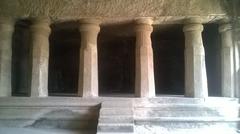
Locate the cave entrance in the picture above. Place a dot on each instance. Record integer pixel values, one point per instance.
(212, 45)
(168, 50)
(64, 59)
(116, 60)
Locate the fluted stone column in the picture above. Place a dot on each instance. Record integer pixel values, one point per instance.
(6, 32)
(195, 68)
(144, 72)
(88, 72)
(227, 60)
(40, 31)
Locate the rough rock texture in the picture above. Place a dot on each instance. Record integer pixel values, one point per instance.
(74, 9)
(72, 115)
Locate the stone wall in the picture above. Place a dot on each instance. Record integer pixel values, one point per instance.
(74, 9)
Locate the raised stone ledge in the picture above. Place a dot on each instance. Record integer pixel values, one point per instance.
(121, 101)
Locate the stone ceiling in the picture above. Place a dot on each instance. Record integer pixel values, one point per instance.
(119, 11)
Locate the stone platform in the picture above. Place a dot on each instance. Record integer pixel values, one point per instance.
(105, 115)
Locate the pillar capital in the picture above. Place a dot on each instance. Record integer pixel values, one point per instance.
(7, 24)
(193, 24)
(225, 27)
(193, 27)
(144, 20)
(143, 24)
(89, 24)
(41, 24)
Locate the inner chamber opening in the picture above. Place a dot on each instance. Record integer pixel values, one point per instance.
(65, 41)
(212, 45)
(21, 58)
(116, 60)
(168, 50)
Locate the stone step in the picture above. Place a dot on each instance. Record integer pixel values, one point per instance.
(129, 128)
(185, 129)
(44, 131)
(117, 104)
(190, 124)
(158, 101)
(50, 124)
(186, 119)
(116, 111)
(115, 132)
(48, 112)
(116, 119)
(48, 102)
(194, 112)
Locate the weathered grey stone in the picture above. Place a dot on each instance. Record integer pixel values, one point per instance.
(187, 128)
(88, 72)
(112, 128)
(144, 72)
(56, 113)
(116, 118)
(187, 111)
(6, 30)
(227, 60)
(12, 130)
(40, 31)
(236, 43)
(61, 9)
(116, 111)
(195, 68)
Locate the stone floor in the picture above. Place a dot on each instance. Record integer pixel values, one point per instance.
(105, 115)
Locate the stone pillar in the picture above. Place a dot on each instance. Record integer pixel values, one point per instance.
(195, 68)
(144, 72)
(236, 52)
(88, 72)
(6, 30)
(227, 60)
(40, 31)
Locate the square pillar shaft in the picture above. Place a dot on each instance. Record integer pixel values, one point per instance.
(88, 72)
(195, 68)
(40, 31)
(236, 42)
(144, 73)
(227, 60)
(6, 30)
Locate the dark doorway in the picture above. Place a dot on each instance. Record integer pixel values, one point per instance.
(168, 49)
(212, 45)
(21, 59)
(116, 60)
(64, 59)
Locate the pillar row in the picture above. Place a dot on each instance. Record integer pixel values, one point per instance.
(195, 68)
(88, 72)
(227, 60)
(40, 31)
(144, 72)
(6, 30)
